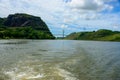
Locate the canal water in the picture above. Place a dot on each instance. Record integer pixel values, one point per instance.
(59, 60)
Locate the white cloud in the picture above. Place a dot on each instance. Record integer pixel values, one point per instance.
(94, 5)
(64, 13)
(87, 9)
(64, 26)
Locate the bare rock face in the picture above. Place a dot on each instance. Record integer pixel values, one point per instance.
(25, 20)
(24, 26)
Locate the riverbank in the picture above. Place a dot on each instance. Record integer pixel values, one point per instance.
(100, 35)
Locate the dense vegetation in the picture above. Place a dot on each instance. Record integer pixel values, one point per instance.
(23, 33)
(24, 26)
(102, 35)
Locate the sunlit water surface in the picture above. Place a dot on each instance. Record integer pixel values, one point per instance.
(59, 60)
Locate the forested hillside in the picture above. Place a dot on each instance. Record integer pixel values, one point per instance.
(101, 35)
(24, 26)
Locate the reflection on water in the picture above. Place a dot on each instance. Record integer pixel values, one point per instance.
(59, 60)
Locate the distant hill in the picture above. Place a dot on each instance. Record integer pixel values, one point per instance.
(101, 35)
(21, 25)
(1, 22)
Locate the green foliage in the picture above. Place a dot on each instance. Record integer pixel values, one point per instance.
(23, 33)
(24, 26)
(102, 34)
(1, 22)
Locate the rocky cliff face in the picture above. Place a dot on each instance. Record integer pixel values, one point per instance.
(25, 25)
(1, 21)
(25, 20)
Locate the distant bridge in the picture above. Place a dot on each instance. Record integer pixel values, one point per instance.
(62, 35)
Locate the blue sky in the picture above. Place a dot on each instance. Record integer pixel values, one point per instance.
(70, 15)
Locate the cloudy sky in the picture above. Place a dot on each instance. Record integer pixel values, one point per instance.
(71, 15)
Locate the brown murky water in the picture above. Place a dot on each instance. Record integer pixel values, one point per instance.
(59, 60)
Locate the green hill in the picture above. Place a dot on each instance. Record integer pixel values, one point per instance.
(101, 35)
(24, 26)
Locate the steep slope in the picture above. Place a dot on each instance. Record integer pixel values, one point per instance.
(23, 20)
(26, 24)
(1, 22)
